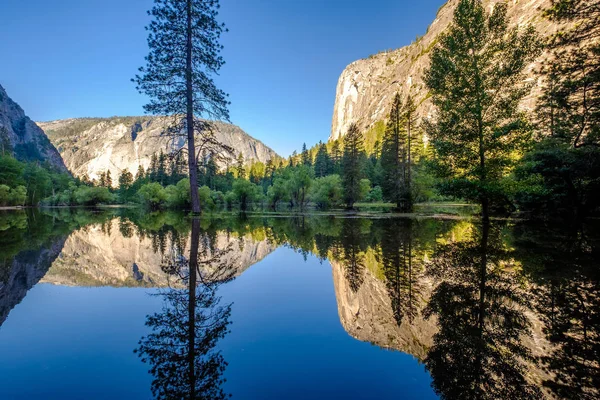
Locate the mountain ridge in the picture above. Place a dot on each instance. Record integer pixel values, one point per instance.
(90, 146)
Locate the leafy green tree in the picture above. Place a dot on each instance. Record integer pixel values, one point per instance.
(38, 183)
(299, 183)
(91, 196)
(152, 195)
(184, 55)
(477, 82)
(11, 171)
(278, 192)
(245, 192)
(327, 191)
(353, 161)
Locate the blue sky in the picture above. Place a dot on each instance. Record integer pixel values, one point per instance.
(75, 58)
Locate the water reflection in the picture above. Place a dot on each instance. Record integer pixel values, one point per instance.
(480, 305)
(491, 310)
(564, 267)
(181, 348)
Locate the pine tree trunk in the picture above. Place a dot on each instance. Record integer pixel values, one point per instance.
(192, 162)
(193, 268)
(409, 202)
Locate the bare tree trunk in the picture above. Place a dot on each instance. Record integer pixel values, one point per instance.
(192, 162)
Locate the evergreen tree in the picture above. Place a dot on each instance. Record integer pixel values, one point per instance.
(184, 54)
(322, 161)
(140, 174)
(393, 155)
(153, 170)
(336, 158)
(239, 167)
(270, 171)
(352, 165)
(305, 155)
(108, 179)
(476, 80)
(102, 179)
(125, 179)
(569, 118)
(161, 169)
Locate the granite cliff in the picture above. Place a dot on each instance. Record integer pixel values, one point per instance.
(90, 146)
(21, 137)
(366, 87)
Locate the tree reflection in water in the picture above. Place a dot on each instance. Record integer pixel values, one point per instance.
(402, 270)
(181, 346)
(478, 352)
(564, 264)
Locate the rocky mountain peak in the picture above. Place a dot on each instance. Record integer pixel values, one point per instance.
(366, 87)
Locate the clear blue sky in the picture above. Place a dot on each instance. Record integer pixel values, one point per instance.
(75, 58)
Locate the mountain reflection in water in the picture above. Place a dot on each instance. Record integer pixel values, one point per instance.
(500, 310)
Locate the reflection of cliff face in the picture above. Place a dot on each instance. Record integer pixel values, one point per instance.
(368, 316)
(23, 272)
(100, 255)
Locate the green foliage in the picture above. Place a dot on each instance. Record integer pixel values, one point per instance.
(353, 162)
(152, 195)
(327, 191)
(91, 196)
(243, 193)
(476, 80)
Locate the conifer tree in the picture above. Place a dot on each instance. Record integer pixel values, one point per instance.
(353, 161)
(393, 155)
(322, 161)
(184, 41)
(305, 155)
(476, 80)
(336, 157)
(239, 167)
(161, 168)
(108, 183)
(141, 173)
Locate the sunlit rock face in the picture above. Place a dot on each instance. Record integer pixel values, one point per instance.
(100, 255)
(20, 136)
(23, 272)
(367, 316)
(366, 87)
(91, 146)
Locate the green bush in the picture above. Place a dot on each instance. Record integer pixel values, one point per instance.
(91, 196)
(327, 192)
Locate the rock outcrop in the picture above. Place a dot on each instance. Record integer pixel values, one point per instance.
(100, 255)
(366, 87)
(91, 146)
(21, 137)
(24, 271)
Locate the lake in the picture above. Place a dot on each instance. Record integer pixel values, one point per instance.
(124, 303)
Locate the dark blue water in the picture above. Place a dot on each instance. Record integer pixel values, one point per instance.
(105, 305)
(286, 341)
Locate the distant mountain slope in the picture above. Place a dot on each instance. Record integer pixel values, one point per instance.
(21, 137)
(94, 145)
(366, 87)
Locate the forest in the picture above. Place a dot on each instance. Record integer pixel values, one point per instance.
(480, 147)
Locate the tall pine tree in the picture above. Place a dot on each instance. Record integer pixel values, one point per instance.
(353, 161)
(476, 80)
(184, 42)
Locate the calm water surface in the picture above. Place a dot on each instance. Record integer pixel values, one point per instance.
(124, 304)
